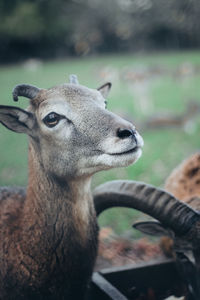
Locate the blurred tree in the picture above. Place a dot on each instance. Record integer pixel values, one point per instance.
(48, 28)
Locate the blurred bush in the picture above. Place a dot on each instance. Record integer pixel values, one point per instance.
(55, 28)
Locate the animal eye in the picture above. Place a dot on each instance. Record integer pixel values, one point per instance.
(106, 102)
(52, 119)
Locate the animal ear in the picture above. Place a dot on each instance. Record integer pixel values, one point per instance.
(152, 228)
(105, 89)
(16, 119)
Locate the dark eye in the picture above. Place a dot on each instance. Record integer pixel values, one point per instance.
(106, 102)
(52, 119)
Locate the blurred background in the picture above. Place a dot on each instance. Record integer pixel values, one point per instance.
(49, 28)
(148, 49)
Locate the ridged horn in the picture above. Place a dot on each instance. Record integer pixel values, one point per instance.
(73, 79)
(25, 90)
(148, 199)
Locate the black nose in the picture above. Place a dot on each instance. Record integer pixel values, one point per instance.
(124, 133)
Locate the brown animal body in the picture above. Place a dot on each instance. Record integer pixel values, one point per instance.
(184, 181)
(48, 233)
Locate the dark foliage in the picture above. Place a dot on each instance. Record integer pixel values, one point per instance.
(54, 28)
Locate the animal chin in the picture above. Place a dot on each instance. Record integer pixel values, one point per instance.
(126, 158)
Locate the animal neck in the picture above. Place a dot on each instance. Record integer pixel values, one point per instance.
(54, 202)
(56, 235)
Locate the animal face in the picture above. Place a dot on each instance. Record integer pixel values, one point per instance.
(72, 132)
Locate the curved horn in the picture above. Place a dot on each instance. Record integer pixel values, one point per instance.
(73, 79)
(25, 90)
(147, 199)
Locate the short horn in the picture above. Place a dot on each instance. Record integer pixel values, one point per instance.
(155, 202)
(25, 90)
(73, 79)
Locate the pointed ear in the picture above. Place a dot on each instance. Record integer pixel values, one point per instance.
(105, 89)
(16, 119)
(152, 228)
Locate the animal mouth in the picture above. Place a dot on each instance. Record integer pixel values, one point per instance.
(133, 150)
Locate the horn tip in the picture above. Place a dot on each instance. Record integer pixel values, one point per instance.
(15, 97)
(15, 93)
(73, 79)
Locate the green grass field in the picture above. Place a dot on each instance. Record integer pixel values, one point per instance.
(143, 85)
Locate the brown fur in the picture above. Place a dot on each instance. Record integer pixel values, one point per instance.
(184, 184)
(184, 181)
(55, 226)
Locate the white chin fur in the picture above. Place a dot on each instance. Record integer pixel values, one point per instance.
(107, 161)
(124, 160)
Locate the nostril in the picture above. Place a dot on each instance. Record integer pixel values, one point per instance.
(124, 133)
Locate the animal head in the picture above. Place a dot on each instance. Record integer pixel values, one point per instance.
(70, 129)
